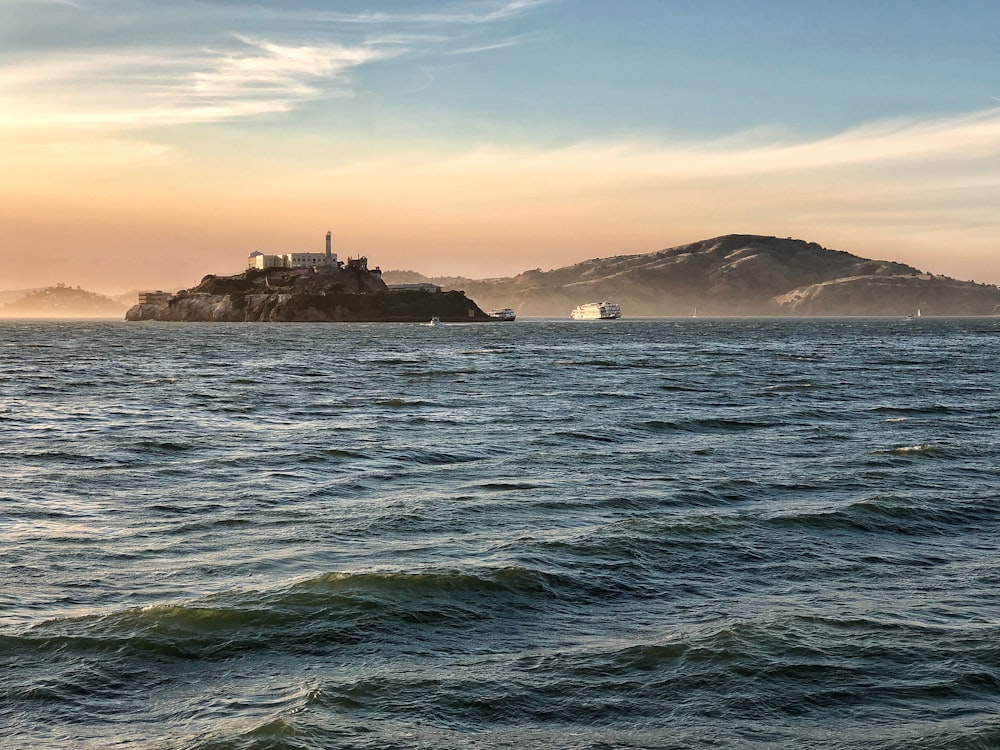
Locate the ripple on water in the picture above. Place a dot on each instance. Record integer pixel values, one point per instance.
(656, 534)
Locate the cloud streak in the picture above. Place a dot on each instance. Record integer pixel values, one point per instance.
(514, 41)
(171, 86)
(470, 14)
(941, 144)
(122, 84)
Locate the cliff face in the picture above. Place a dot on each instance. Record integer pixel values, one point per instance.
(736, 275)
(301, 295)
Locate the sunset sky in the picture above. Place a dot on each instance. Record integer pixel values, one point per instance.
(144, 144)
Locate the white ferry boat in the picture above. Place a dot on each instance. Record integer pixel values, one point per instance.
(503, 314)
(597, 311)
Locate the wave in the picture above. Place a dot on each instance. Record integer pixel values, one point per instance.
(163, 380)
(402, 402)
(892, 513)
(588, 436)
(330, 608)
(917, 450)
(707, 424)
(918, 409)
(789, 387)
(603, 364)
(162, 446)
(344, 453)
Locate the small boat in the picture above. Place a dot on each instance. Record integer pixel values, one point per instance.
(597, 311)
(435, 321)
(504, 313)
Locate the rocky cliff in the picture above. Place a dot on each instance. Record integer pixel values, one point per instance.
(735, 275)
(305, 295)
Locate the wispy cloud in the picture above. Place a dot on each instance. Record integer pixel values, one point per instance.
(942, 142)
(514, 41)
(479, 15)
(469, 13)
(898, 141)
(171, 86)
(303, 56)
(956, 142)
(40, 2)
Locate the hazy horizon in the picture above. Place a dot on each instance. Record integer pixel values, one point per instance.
(148, 144)
(8, 296)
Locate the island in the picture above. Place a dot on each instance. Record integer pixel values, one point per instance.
(61, 301)
(306, 287)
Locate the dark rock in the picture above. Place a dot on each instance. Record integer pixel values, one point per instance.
(304, 295)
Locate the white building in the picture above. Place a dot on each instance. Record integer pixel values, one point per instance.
(261, 261)
(308, 260)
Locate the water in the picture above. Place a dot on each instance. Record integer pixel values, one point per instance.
(545, 534)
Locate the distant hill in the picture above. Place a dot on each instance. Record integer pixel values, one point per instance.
(62, 301)
(10, 295)
(735, 274)
(127, 299)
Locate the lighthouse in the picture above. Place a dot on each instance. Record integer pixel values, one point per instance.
(329, 248)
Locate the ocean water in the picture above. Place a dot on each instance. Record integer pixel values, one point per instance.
(542, 534)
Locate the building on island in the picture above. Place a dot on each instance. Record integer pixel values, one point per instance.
(328, 259)
(260, 261)
(361, 264)
(154, 298)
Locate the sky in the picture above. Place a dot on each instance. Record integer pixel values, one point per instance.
(145, 144)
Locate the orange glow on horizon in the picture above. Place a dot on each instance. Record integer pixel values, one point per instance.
(145, 216)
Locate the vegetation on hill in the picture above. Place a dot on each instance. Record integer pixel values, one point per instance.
(733, 275)
(61, 301)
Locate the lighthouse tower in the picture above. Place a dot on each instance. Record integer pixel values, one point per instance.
(329, 249)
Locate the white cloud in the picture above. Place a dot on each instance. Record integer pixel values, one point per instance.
(122, 84)
(40, 2)
(940, 143)
(513, 41)
(175, 86)
(472, 13)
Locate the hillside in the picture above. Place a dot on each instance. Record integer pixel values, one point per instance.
(62, 301)
(732, 275)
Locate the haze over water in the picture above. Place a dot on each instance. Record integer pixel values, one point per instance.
(544, 534)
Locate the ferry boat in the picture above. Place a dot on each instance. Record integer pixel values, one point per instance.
(597, 311)
(503, 314)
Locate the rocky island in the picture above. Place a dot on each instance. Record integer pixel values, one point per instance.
(318, 293)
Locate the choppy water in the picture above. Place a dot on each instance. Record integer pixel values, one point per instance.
(639, 534)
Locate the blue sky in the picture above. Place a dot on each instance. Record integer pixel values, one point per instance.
(488, 136)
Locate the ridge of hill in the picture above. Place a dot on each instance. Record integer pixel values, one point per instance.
(736, 274)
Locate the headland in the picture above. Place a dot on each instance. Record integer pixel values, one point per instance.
(732, 275)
